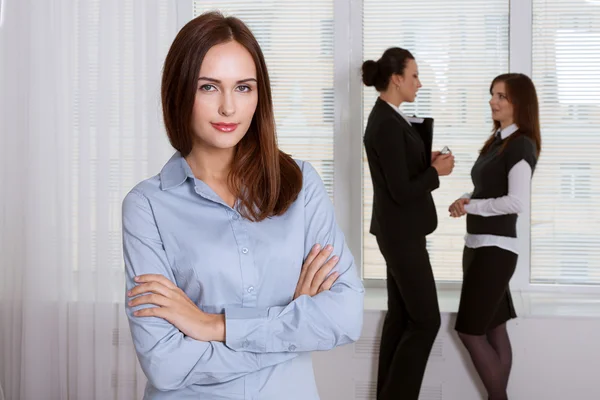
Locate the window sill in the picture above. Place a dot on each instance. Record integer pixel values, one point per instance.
(527, 304)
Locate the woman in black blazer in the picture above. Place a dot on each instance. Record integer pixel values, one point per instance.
(502, 182)
(403, 178)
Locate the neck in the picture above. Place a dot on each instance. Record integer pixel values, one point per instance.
(210, 165)
(391, 96)
(506, 124)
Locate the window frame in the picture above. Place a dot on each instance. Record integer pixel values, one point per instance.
(348, 146)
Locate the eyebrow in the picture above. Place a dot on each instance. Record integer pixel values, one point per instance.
(204, 78)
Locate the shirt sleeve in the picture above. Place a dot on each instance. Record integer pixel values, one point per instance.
(391, 152)
(519, 187)
(322, 322)
(170, 359)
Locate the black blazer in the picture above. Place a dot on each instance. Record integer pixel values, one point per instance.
(402, 176)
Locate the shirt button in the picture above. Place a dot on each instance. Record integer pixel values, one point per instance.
(246, 343)
(251, 289)
(245, 250)
(292, 348)
(236, 217)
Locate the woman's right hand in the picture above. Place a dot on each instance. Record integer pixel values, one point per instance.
(444, 164)
(457, 209)
(314, 275)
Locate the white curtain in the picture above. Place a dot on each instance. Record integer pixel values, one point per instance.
(79, 126)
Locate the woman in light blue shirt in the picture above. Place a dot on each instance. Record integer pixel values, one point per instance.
(229, 290)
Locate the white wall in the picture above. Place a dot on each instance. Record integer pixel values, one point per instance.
(554, 358)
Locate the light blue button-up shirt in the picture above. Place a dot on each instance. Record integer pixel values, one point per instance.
(177, 226)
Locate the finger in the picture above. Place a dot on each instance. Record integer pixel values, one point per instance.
(151, 312)
(322, 273)
(311, 257)
(155, 278)
(329, 282)
(152, 287)
(155, 299)
(317, 263)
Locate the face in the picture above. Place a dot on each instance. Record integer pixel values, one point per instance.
(502, 109)
(408, 84)
(226, 97)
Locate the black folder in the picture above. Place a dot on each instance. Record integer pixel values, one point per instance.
(424, 126)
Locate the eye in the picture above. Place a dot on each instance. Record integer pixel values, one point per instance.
(244, 88)
(208, 88)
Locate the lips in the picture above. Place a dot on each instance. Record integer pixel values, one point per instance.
(224, 127)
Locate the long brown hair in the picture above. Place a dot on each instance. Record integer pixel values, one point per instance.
(521, 93)
(264, 179)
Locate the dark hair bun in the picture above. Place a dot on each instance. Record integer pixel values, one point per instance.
(370, 70)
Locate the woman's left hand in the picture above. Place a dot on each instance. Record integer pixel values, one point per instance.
(175, 306)
(435, 155)
(457, 209)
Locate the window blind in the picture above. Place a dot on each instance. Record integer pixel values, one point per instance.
(459, 46)
(565, 212)
(297, 41)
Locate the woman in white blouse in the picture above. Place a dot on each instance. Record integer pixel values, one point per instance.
(502, 181)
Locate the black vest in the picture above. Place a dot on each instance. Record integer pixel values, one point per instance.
(490, 178)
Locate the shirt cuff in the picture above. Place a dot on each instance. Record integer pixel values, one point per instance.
(471, 207)
(246, 329)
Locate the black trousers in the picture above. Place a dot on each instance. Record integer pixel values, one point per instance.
(412, 320)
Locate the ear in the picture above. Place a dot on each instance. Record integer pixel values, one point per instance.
(397, 79)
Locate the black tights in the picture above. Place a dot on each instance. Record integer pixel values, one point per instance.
(492, 357)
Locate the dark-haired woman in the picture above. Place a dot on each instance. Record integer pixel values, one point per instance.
(228, 292)
(404, 214)
(502, 185)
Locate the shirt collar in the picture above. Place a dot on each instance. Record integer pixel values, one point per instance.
(175, 172)
(509, 130)
(400, 112)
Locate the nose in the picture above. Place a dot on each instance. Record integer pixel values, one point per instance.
(419, 86)
(227, 107)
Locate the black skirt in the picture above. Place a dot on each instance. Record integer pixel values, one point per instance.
(485, 300)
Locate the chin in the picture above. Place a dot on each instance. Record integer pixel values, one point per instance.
(226, 140)
(226, 145)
